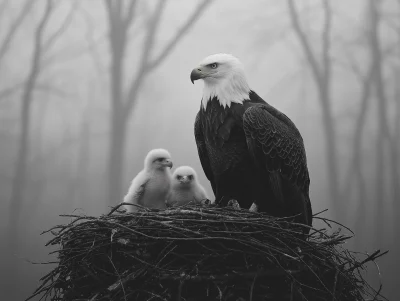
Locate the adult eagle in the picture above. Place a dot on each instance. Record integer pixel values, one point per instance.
(249, 151)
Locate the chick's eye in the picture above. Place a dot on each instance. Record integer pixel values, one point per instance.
(178, 177)
(190, 177)
(213, 65)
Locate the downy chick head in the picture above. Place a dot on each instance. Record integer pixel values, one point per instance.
(158, 159)
(184, 176)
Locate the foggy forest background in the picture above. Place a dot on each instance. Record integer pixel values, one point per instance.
(88, 87)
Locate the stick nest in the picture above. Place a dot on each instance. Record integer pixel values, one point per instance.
(201, 253)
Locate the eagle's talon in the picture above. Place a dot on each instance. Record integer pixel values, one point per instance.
(205, 202)
(234, 204)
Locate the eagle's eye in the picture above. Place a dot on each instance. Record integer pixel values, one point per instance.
(213, 65)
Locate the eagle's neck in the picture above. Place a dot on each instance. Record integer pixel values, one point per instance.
(233, 89)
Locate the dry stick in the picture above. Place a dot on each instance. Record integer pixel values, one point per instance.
(291, 290)
(335, 222)
(252, 287)
(378, 293)
(94, 297)
(180, 290)
(119, 276)
(334, 285)
(371, 257)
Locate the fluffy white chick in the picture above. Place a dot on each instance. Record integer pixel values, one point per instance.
(151, 186)
(185, 188)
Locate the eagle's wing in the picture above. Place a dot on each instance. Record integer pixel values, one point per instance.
(202, 150)
(136, 191)
(276, 146)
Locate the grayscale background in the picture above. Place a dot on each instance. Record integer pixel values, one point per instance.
(88, 87)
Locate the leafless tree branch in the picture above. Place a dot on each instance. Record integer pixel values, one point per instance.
(376, 53)
(118, 7)
(109, 7)
(124, 97)
(21, 163)
(63, 27)
(354, 67)
(130, 13)
(114, 18)
(384, 137)
(147, 65)
(303, 39)
(355, 167)
(397, 101)
(91, 43)
(321, 71)
(146, 52)
(14, 27)
(38, 47)
(326, 39)
(180, 33)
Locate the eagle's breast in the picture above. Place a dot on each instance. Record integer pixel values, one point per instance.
(224, 136)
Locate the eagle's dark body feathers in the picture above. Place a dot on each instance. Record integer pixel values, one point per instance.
(251, 152)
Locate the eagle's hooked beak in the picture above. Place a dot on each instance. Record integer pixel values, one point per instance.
(196, 74)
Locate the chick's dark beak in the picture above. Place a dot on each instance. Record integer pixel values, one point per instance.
(184, 180)
(168, 163)
(196, 74)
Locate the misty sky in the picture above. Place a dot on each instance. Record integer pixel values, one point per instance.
(73, 90)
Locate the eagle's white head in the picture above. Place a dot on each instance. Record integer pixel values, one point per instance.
(224, 78)
(157, 159)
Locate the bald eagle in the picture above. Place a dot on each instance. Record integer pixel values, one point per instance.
(249, 151)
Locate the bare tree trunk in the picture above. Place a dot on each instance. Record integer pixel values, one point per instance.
(15, 25)
(380, 194)
(83, 160)
(9, 36)
(116, 156)
(384, 136)
(321, 71)
(23, 145)
(19, 182)
(355, 177)
(117, 38)
(121, 16)
(396, 143)
(396, 200)
(38, 183)
(40, 46)
(331, 149)
(361, 214)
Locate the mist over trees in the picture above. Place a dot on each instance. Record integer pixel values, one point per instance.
(87, 88)
(121, 17)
